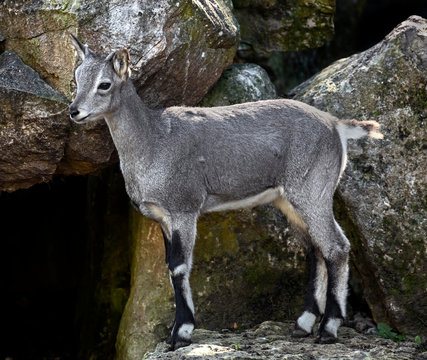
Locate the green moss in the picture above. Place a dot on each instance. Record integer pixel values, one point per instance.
(217, 238)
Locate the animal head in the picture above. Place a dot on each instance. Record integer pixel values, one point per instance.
(99, 82)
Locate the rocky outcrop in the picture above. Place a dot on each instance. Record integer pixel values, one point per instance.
(240, 83)
(271, 25)
(174, 62)
(381, 197)
(272, 340)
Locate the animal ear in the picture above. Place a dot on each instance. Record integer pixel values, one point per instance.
(82, 50)
(121, 62)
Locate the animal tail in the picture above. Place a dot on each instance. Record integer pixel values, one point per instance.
(353, 129)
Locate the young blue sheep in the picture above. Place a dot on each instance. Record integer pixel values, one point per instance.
(180, 162)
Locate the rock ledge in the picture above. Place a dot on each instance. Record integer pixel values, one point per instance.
(272, 340)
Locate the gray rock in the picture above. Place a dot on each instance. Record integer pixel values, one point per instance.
(381, 198)
(33, 128)
(272, 340)
(178, 49)
(15, 75)
(240, 83)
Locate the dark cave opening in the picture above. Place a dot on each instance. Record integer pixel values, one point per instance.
(41, 268)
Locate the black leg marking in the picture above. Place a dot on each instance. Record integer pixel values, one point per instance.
(310, 300)
(335, 300)
(179, 264)
(315, 295)
(176, 254)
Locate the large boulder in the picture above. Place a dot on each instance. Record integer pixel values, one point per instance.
(178, 50)
(381, 198)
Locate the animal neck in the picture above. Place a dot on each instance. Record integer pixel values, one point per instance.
(131, 124)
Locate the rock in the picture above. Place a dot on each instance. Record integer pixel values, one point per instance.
(15, 75)
(247, 269)
(89, 147)
(178, 49)
(33, 128)
(36, 136)
(381, 197)
(271, 25)
(240, 83)
(272, 340)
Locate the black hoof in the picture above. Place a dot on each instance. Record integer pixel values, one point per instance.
(300, 333)
(179, 344)
(326, 339)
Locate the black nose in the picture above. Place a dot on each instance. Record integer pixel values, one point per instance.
(73, 112)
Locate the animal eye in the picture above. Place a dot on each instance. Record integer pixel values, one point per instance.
(104, 86)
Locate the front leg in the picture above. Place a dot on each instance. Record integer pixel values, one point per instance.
(179, 255)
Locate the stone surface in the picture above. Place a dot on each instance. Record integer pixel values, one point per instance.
(36, 137)
(272, 340)
(240, 83)
(270, 25)
(247, 269)
(381, 200)
(33, 128)
(178, 49)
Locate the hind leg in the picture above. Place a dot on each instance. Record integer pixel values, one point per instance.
(336, 260)
(334, 248)
(327, 293)
(315, 301)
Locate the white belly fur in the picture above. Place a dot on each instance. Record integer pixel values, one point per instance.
(265, 197)
(273, 195)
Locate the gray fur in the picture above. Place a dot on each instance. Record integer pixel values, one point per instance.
(180, 162)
